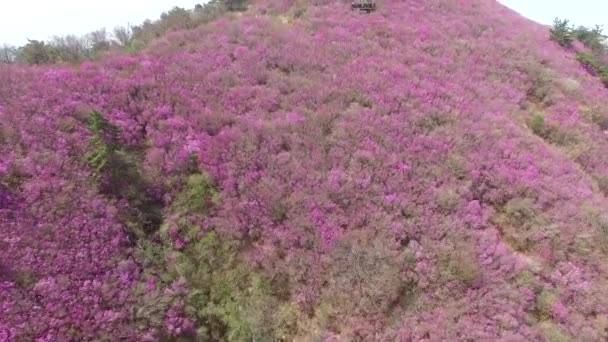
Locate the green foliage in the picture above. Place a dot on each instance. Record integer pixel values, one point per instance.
(604, 78)
(537, 124)
(543, 314)
(518, 211)
(197, 196)
(544, 300)
(593, 38)
(553, 333)
(594, 66)
(13, 178)
(552, 133)
(561, 32)
(177, 19)
(521, 222)
(590, 63)
(599, 221)
(228, 300)
(74, 49)
(103, 143)
(25, 279)
(118, 175)
(37, 52)
(71, 49)
(151, 311)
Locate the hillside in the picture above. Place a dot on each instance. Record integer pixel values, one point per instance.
(434, 170)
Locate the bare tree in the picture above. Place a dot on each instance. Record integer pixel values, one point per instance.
(70, 48)
(98, 40)
(123, 35)
(8, 54)
(235, 5)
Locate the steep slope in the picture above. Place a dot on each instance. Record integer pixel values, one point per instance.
(432, 171)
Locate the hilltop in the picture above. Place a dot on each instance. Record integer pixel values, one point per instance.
(298, 171)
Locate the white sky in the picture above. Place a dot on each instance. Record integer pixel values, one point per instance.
(42, 19)
(579, 12)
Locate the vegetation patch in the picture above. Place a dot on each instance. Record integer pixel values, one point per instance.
(225, 298)
(521, 223)
(116, 171)
(541, 89)
(551, 132)
(458, 261)
(364, 278)
(561, 32)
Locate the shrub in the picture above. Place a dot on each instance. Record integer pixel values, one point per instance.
(448, 200)
(553, 333)
(37, 52)
(595, 116)
(235, 5)
(593, 38)
(459, 262)
(589, 62)
(544, 301)
(197, 196)
(561, 32)
(604, 77)
(521, 223)
(594, 66)
(457, 166)
(228, 300)
(13, 178)
(537, 124)
(103, 143)
(602, 181)
(552, 133)
(363, 279)
(541, 87)
(599, 221)
(433, 121)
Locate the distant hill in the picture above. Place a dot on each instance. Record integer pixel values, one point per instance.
(298, 171)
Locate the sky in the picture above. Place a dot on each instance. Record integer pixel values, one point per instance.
(579, 12)
(42, 19)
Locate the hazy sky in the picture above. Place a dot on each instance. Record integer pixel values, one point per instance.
(41, 19)
(579, 12)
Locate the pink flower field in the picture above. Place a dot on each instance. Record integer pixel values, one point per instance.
(434, 171)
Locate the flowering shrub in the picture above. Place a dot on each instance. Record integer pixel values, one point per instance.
(331, 176)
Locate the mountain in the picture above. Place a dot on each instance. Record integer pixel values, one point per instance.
(434, 170)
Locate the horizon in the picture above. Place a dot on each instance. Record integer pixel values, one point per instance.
(85, 18)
